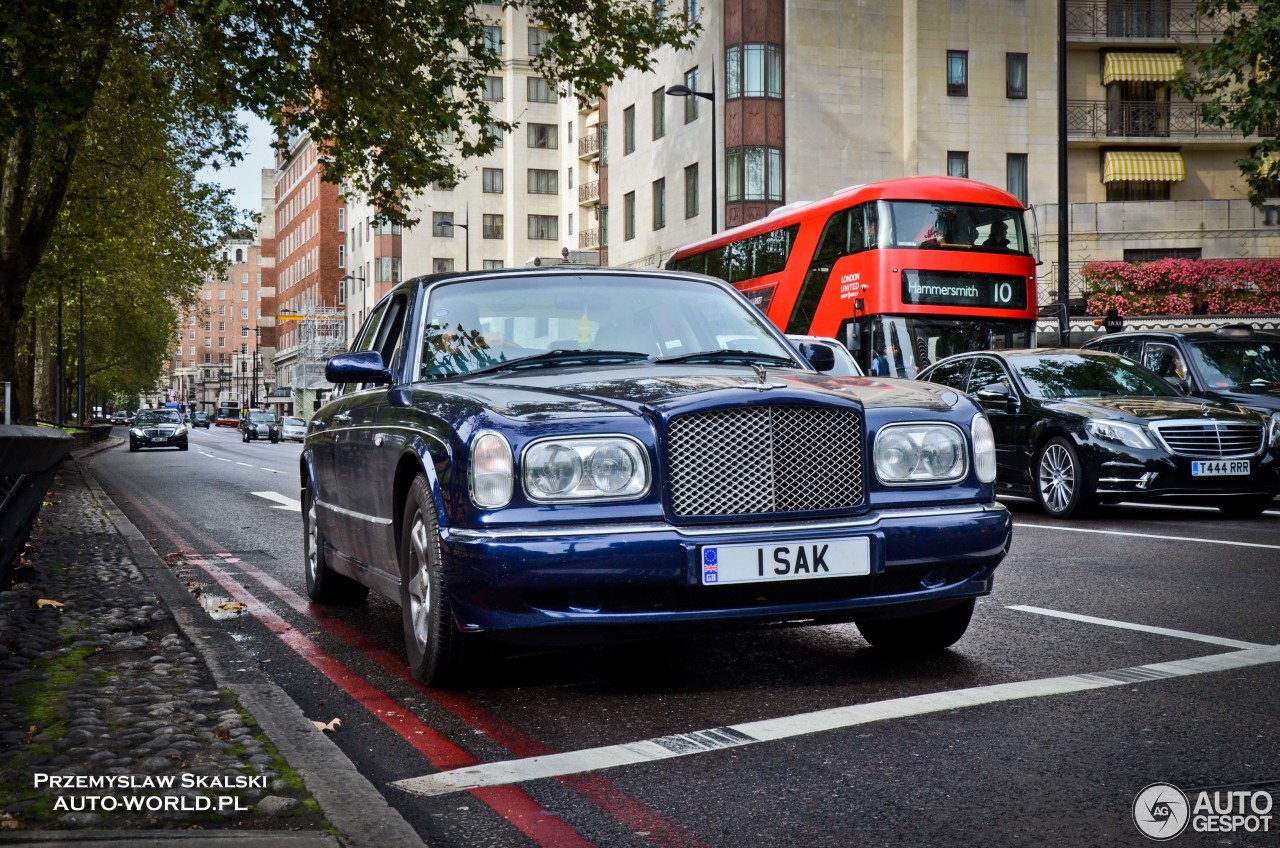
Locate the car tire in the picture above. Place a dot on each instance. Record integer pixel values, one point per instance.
(1061, 483)
(182, 447)
(437, 650)
(932, 631)
(1245, 506)
(133, 448)
(324, 585)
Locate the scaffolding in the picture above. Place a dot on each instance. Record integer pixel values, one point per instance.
(321, 334)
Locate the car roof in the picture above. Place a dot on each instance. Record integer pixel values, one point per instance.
(1224, 333)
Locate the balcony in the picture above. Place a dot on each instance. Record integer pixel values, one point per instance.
(589, 146)
(1143, 119)
(1148, 19)
(589, 239)
(589, 193)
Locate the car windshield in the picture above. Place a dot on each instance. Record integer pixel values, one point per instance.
(1075, 375)
(487, 323)
(262, 417)
(1245, 364)
(294, 422)
(158, 416)
(954, 226)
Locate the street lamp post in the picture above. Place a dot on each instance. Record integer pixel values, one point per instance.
(685, 91)
(257, 343)
(466, 263)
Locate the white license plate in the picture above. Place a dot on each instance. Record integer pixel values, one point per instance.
(160, 439)
(1219, 467)
(724, 564)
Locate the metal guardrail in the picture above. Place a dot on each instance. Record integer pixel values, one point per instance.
(1157, 19)
(28, 458)
(1144, 119)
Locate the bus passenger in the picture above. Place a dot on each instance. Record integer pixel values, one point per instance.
(999, 236)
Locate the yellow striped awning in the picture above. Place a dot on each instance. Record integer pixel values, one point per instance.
(1141, 67)
(1163, 165)
(1270, 163)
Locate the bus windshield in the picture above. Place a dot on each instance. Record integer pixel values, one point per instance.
(902, 346)
(954, 226)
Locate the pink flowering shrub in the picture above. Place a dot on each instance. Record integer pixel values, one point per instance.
(1177, 286)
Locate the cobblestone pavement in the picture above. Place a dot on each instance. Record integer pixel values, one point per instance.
(109, 716)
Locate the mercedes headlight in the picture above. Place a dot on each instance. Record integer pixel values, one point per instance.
(492, 476)
(920, 453)
(1119, 432)
(586, 468)
(1273, 430)
(181, 431)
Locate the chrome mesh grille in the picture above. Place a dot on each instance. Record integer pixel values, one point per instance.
(1211, 439)
(764, 459)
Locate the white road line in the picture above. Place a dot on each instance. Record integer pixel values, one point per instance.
(1146, 536)
(246, 464)
(750, 733)
(1144, 628)
(282, 501)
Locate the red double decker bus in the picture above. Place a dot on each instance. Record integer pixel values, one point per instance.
(903, 271)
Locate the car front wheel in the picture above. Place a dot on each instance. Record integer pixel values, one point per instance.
(932, 631)
(436, 648)
(324, 585)
(1061, 484)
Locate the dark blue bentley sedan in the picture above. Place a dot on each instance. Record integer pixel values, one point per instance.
(568, 454)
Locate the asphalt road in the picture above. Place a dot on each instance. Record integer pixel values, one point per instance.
(1039, 728)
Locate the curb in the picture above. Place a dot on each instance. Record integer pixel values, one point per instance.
(348, 800)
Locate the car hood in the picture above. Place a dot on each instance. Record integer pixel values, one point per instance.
(667, 388)
(1268, 400)
(1150, 409)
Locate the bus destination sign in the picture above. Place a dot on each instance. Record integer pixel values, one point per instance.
(984, 291)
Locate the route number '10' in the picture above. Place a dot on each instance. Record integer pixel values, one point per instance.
(1003, 292)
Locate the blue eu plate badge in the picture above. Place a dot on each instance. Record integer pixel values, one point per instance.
(710, 565)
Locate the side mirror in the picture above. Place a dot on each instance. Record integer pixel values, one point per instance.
(997, 394)
(364, 366)
(1179, 385)
(821, 357)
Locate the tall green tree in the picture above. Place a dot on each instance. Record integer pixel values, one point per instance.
(1238, 80)
(391, 92)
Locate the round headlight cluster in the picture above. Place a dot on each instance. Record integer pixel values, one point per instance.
(920, 453)
(585, 469)
(492, 471)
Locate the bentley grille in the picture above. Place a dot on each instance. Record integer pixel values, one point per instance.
(1211, 439)
(765, 459)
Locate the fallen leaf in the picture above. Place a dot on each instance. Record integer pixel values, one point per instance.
(32, 731)
(45, 602)
(221, 733)
(231, 606)
(328, 728)
(8, 822)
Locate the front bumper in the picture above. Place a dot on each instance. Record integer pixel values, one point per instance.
(158, 441)
(1151, 476)
(560, 583)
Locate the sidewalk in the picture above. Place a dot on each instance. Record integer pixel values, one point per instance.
(120, 726)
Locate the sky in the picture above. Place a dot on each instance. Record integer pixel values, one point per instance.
(245, 177)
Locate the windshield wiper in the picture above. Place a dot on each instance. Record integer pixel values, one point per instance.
(747, 356)
(559, 356)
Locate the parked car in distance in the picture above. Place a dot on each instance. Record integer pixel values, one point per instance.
(227, 416)
(845, 365)
(1074, 428)
(561, 455)
(119, 417)
(200, 419)
(158, 428)
(257, 424)
(1233, 364)
(293, 428)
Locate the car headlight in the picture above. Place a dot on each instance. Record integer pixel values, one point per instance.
(137, 431)
(920, 453)
(586, 468)
(492, 471)
(1273, 430)
(984, 448)
(181, 431)
(1129, 435)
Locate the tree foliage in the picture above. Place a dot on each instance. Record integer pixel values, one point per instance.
(1238, 79)
(392, 93)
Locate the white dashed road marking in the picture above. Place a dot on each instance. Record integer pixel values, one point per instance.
(1126, 625)
(282, 501)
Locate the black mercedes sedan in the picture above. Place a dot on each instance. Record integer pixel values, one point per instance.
(1075, 428)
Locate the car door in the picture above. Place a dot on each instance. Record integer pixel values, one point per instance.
(991, 385)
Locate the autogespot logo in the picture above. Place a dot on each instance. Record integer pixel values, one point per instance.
(1160, 811)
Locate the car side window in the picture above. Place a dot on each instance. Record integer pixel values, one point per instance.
(953, 374)
(1165, 360)
(1129, 348)
(364, 341)
(391, 330)
(987, 372)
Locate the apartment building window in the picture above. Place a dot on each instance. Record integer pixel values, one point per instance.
(208, 342)
(222, 326)
(222, 341)
(604, 226)
(628, 130)
(753, 70)
(659, 104)
(691, 103)
(387, 269)
(494, 135)
(491, 264)
(342, 256)
(629, 216)
(244, 332)
(958, 163)
(493, 89)
(206, 326)
(538, 38)
(542, 181)
(659, 204)
(691, 191)
(441, 266)
(1145, 254)
(492, 180)
(491, 227)
(222, 294)
(754, 173)
(244, 314)
(957, 73)
(1122, 190)
(1015, 76)
(544, 228)
(690, 10)
(568, 174)
(544, 136)
(540, 91)
(570, 223)
(568, 130)
(442, 224)
(244, 294)
(342, 217)
(1016, 174)
(493, 39)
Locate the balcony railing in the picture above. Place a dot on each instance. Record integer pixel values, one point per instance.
(589, 145)
(589, 193)
(1148, 19)
(589, 239)
(1143, 119)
